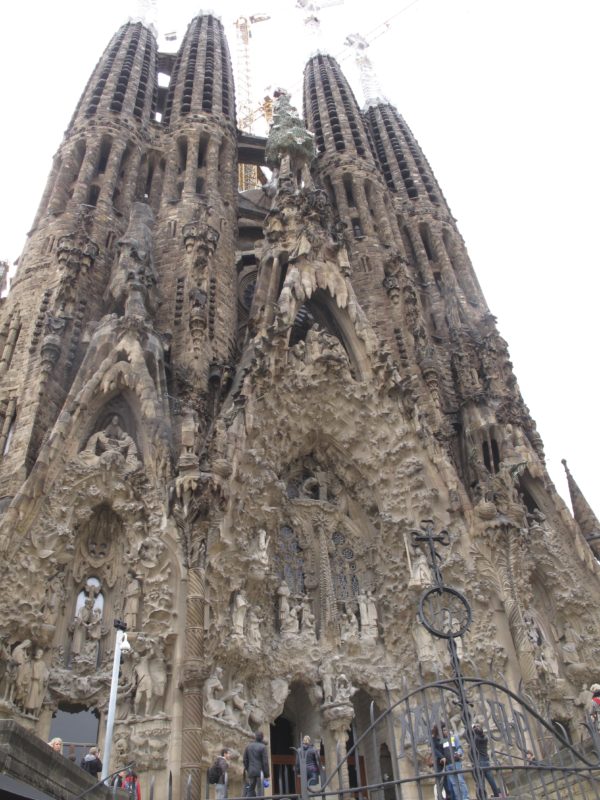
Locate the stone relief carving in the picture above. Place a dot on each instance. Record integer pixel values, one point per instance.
(76, 254)
(112, 444)
(133, 285)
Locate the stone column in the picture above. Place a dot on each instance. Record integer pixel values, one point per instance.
(191, 169)
(86, 175)
(111, 174)
(337, 719)
(193, 682)
(212, 162)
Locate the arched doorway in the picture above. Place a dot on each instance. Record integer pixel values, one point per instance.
(299, 718)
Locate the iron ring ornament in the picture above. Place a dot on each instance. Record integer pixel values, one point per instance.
(445, 612)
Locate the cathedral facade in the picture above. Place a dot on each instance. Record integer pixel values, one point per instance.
(222, 415)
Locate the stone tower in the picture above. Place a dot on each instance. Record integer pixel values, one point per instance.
(221, 415)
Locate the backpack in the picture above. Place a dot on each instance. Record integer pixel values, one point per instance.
(215, 771)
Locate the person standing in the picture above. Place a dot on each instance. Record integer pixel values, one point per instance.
(313, 762)
(222, 781)
(481, 757)
(91, 762)
(256, 766)
(132, 786)
(443, 785)
(453, 753)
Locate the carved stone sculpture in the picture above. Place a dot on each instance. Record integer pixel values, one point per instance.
(133, 283)
(349, 626)
(80, 626)
(113, 441)
(238, 614)
(368, 615)
(213, 705)
(132, 602)
(38, 681)
(20, 658)
(253, 636)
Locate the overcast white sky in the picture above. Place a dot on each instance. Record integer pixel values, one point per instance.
(502, 96)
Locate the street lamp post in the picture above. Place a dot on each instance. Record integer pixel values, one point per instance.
(121, 646)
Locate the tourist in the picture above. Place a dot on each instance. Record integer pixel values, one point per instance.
(595, 704)
(453, 754)
(312, 760)
(131, 785)
(222, 763)
(56, 744)
(91, 762)
(443, 784)
(481, 757)
(256, 766)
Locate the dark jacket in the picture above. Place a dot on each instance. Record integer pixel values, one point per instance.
(312, 758)
(481, 744)
(256, 760)
(438, 753)
(223, 766)
(91, 764)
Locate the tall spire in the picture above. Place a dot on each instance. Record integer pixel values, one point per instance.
(584, 516)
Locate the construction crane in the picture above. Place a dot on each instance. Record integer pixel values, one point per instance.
(247, 173)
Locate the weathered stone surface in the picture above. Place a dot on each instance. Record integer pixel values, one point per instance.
(221, 417)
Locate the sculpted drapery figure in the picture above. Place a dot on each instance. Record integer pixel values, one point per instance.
(81, 623)
(132, 602)
(110, 441)
(238, 614)
(213, 705)
(38, 681)
(20, 658)
(368, 615)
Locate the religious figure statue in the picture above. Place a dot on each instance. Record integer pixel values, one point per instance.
(93, 636)
(20, 658)
(261, 554)
(238, 614)
(344, 689)
(368, 615)
(38, 681)
(420, 573)
(214, 706)
(291, 624)
(55, 595)
(158, 676)
(80, 626)
(113, 440)
(308, 618)
(132, 602)
(253, 637)
(236, 705)
(349, 626)
(284, 605)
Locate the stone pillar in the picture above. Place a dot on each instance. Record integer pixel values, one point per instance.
(86, 175)
(193, 682)
(111, 174)
(191, 168)
(363, 207)
(212, 162)
(337, 719)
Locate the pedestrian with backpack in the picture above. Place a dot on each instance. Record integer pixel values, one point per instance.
(217, 773)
